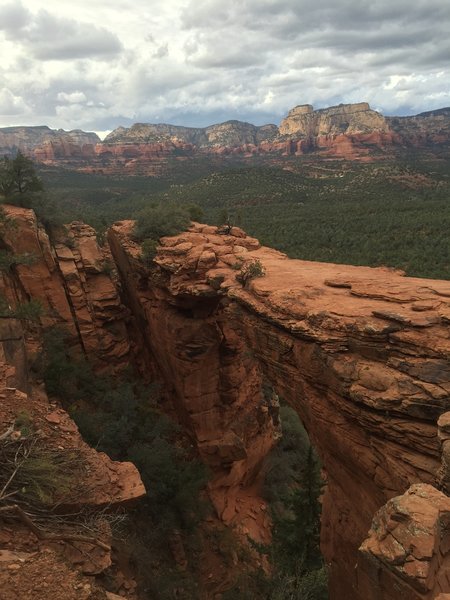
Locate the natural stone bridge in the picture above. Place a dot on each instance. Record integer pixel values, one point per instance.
(362, 354)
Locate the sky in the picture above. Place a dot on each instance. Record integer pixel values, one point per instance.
(98, 64)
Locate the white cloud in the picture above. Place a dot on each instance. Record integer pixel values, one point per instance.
(72, 98)
(11, 105)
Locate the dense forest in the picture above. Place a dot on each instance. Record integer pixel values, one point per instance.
(388, 213)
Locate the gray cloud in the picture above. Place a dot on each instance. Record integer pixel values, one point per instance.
(48, 37)
(13, 17)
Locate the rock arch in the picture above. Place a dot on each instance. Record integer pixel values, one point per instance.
(360, 353)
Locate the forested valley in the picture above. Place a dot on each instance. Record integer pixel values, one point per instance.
(392, 213)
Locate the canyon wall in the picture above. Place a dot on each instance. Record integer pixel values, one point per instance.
(62, 564)
(346, 131)
(73, 279)
(360, 353)
(57, 551)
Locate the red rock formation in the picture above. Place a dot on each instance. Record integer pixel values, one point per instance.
(407, 552)
(41, 280)
(73, 281)
(347, 131)
(93, 295)
(361, 353)
(218, 399)
(96, 482)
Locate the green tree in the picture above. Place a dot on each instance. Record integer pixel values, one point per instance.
(298, 532)
(18, 179)
(157, 221)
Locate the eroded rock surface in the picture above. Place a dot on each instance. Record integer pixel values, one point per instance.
(360, 353)
(74, 282)
(407, 552)
(37, 567)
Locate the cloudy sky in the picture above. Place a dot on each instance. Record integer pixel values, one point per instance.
(97, 64)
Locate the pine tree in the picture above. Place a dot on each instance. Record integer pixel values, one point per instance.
(299, 530)
(18, 179)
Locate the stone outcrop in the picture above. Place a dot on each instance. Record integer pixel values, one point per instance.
(305, 122)
(360, 353)
(422, 130)
(32, 565)
(215, 384)
(350, 131)
(230, 134)
(407, 552)
(88, 275)
(74, 282)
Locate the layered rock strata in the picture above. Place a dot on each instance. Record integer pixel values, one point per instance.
(73, 279)
(46, 143)
(407, 552)
(360, 353)
(349, 131)
(210, 372)
(62, 563)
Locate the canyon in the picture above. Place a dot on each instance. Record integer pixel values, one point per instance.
(346, 131)
(362, 355)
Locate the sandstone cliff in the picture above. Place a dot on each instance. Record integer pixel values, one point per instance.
(426, 128)
(73, 280)
(303, 121)
(360, 353)
(59, 143)
(230, 133)
(53, 553)
(407, 551)
(349, 131)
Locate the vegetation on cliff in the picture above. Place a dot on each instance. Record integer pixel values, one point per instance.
(122, 417)
(18, 179)
(293, 485)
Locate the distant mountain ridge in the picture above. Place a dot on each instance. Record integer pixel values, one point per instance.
(351, 131)
(28, 138)
(231, 133)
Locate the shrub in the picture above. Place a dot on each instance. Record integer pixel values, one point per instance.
(237, 266)
(107, 267)
(26, 311)
(250, 270)
(101, 237)
(23, 422)
(69, 242)
(196, 213)
(312, 585)
(148, 248)
(9, 260)
(29, 311)
(33, 474)
(157, 221)
(121, 417)
(47, 476)
(18, 179)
